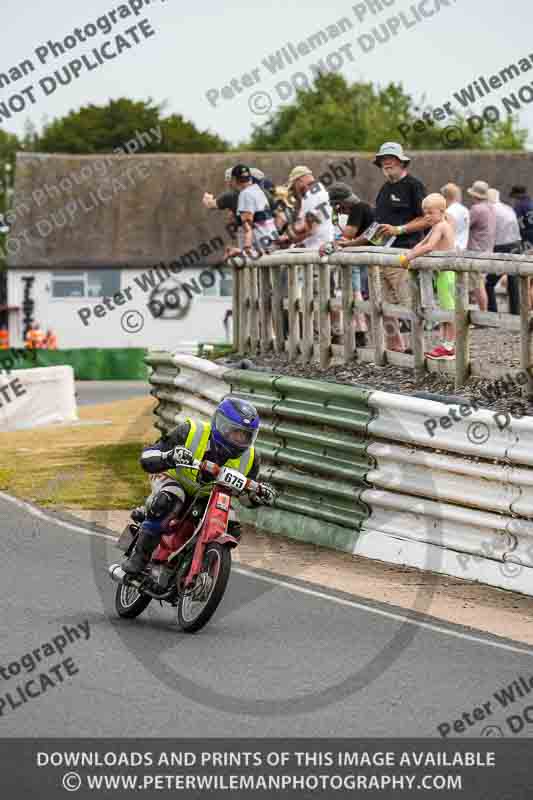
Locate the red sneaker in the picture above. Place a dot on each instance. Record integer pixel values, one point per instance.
(441, 353)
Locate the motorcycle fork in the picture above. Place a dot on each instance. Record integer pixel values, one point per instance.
(214, 524)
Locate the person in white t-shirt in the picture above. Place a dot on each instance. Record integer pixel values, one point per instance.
(259, 231)
(314, 223)
(458, 212)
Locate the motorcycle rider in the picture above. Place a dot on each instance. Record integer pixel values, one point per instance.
(227, 440)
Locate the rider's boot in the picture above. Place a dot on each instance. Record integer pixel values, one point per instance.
(145, 546)
(138, 514)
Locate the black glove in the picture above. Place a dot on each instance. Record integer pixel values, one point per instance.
(182, 456)
(266, 494)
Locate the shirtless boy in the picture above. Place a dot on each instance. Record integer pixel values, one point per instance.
(440, 238)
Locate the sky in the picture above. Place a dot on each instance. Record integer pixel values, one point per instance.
(187, 54)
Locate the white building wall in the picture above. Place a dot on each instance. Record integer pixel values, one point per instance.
(129, 323)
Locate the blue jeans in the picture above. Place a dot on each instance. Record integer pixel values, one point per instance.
(360, 279)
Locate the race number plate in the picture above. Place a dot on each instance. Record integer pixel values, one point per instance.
(232, 478)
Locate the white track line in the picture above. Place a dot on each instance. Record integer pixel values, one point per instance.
(286, 585)
(36, 512)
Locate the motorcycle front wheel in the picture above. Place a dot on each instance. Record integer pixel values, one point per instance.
(129, 602)
(196, 607)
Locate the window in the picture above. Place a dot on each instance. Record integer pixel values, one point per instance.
(95, 284)
(226, 283)
(103, 283)
(222, 287)
(68, 284)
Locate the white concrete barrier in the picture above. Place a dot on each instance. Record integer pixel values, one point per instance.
(34, 397)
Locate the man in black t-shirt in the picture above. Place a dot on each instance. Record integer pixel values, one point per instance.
(360, 214)
(399, 212)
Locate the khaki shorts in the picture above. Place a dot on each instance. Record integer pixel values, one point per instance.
(395, 286)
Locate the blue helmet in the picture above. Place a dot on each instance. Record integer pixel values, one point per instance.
(234, 427)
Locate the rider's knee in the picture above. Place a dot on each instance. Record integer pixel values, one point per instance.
(164, 502)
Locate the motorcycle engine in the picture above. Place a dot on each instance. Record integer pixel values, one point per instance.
(161, 575)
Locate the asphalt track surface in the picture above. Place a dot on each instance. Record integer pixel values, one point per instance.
(90, 393)
(280, 658)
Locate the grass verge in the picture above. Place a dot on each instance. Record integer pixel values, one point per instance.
(89, 466)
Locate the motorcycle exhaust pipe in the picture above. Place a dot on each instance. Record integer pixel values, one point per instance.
(117, 573)
(119, 576)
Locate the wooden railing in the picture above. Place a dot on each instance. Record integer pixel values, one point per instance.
(259, 304)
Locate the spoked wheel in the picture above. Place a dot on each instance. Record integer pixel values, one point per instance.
(129, 602)
(198, 605)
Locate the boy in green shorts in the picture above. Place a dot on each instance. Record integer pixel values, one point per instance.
(441, 237)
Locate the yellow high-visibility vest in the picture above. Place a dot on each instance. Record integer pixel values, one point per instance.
(197, 442)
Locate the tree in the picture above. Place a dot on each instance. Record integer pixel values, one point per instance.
(101, 129)
(9, 144)
(335, 115)
(181, 136)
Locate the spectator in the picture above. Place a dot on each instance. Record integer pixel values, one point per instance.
(212, 202)
(523, 207)
(482, 235)
(314, 221)
(508, 240)
(253, 212)
(4, 339)
(314, 224)
(51, 340)
(440, 238)
(399, 210)
(221, 201)
(360, 216)
(458, 212)
(284, 212)
(228, 201)
(35, 337)
(258, 176)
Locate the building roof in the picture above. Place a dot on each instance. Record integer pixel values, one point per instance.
(111, 211)
(139, 210)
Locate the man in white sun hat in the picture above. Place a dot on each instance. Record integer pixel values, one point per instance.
(399, 212)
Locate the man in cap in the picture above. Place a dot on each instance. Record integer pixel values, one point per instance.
(399, 212)
(260, 234)
(228, 200)
(360, 214)
(482, 235)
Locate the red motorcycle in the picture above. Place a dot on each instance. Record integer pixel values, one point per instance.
(191, 566)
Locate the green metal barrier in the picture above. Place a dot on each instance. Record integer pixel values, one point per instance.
(313, 443)
(89, 364)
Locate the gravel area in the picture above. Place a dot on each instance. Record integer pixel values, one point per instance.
(489, 346)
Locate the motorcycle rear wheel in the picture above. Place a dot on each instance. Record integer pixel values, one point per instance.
(195, 609)
(129, 602)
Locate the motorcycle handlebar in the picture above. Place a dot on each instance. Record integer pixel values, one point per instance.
(214, 469)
